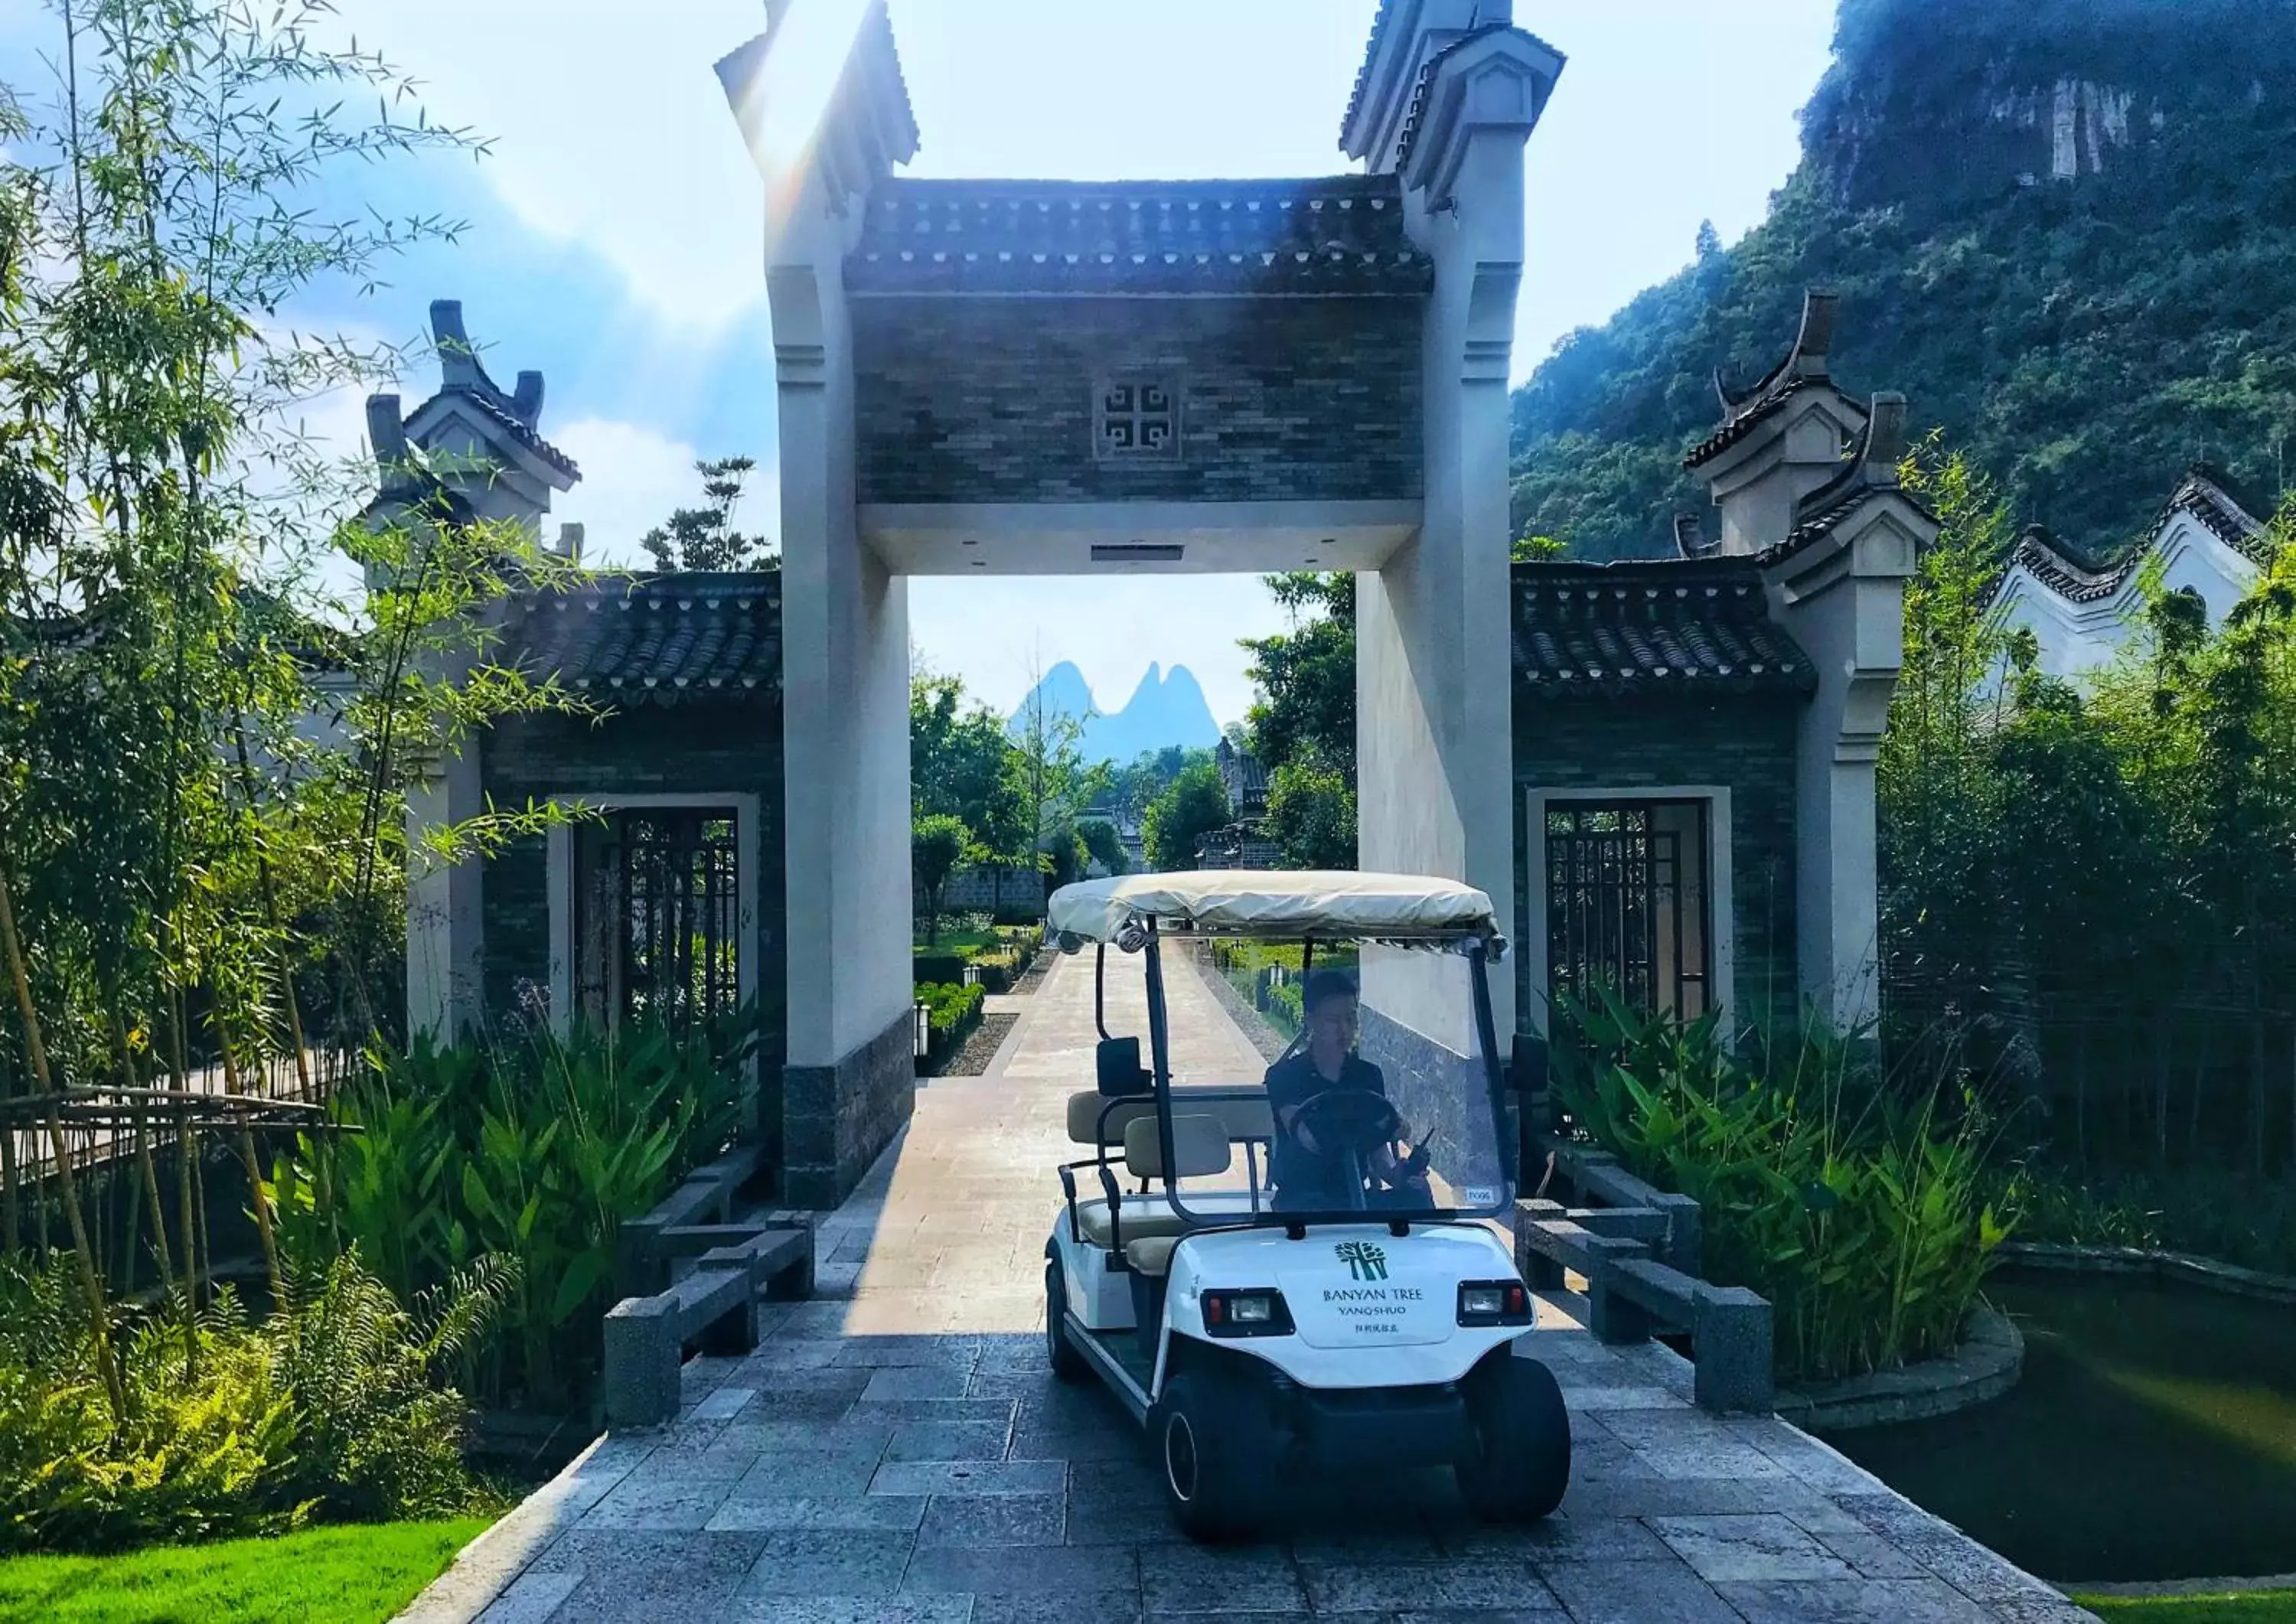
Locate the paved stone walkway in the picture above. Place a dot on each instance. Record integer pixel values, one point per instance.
(896, 1452)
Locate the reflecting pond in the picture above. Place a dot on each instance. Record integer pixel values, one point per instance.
(2152, 1435)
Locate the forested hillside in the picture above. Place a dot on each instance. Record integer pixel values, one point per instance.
(2065, 228)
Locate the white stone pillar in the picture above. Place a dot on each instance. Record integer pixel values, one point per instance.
(850, 1081)
(1843, 600)
(1435, 744)
(446, 941)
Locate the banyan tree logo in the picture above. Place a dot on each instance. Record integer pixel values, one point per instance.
(1364, 1261)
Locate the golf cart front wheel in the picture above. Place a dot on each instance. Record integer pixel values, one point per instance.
(1216, 1452)
(1067, 1363)
(1519, 1465)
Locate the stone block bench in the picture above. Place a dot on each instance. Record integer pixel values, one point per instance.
(713, 1310)
(1631, 1295)
(690, 1220)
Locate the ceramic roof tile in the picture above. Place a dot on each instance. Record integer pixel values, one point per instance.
(1338, 234)
(655, 639)
(1643, 628)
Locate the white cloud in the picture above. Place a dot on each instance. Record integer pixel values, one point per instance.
(632, 478)
(610, 131)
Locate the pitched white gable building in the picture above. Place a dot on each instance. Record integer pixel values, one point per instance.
(2204, 542)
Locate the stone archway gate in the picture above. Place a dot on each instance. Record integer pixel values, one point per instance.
(1049, 377)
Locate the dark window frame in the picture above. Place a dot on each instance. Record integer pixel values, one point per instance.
(657, 915)
(1630, 889)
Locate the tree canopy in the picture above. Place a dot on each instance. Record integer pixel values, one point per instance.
(2081, 340)
(704, 537)
(1191, 808)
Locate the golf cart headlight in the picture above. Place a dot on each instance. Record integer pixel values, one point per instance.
(1493, 1302)
(1254, 1313)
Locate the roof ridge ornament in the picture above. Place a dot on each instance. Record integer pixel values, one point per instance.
(1805, 360)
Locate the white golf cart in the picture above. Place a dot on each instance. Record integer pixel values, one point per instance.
(1270, 1272)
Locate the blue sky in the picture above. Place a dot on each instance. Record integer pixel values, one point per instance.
(613, 234)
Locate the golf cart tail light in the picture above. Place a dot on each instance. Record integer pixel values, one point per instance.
(1481, 1301)
(1254, 1310)
(1215, 1308)
(1518, 1301)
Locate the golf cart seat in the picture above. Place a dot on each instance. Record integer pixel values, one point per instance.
(1151, 1255)
(1098, 1120)
(1239, 1111)
(1199, 1149)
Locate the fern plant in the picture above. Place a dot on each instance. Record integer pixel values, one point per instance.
(330, 1409)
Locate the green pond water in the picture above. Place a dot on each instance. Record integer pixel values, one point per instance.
(2153, 1436)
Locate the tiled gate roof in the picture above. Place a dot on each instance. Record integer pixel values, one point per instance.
(1341, 233)
(1642, 629)
(655, 639)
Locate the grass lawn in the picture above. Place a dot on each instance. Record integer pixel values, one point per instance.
(955, 941)
(339, 1575)
(2251, 1607)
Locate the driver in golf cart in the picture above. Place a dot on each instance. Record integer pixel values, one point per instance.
(1327, 1101)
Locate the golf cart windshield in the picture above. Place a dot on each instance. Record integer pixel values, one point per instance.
(1337, 1073)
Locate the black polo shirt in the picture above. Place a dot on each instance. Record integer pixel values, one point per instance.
(1310, 1179)
(1292, 1083)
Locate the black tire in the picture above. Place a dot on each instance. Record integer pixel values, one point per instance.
(1521, 1461)
(1216, 1453)
(1068, 1364)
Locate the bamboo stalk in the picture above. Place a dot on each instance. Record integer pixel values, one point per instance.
(184, 1151)
(255, 1198)
(271, 912)
(91, 1281)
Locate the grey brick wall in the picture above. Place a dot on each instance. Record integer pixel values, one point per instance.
(733, 747)
(1747, 743)
(1284, 400)
(646, 750)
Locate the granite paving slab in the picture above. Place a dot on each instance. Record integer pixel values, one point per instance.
(896, 1451)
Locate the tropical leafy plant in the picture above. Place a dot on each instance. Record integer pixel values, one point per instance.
(1862, 1219)
(533, 1149)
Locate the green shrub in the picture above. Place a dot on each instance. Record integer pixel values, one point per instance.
(934, 968)
(1862, 1219)
(950, 1011)
(534, 1150)
(330, 1409)
(2235, 1217)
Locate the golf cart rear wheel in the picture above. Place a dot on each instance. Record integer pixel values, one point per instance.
(1216, 1453)
(1520, 1460)
(1067, 1363)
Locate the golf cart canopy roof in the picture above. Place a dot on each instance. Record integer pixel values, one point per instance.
(1282, 903)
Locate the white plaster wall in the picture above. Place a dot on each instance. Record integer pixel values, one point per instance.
(2076, 638)
(845, 679)
(1844, 604)
(1434, 741)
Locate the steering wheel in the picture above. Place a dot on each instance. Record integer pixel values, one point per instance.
(1350, 1122)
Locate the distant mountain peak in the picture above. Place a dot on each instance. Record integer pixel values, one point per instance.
(1167, 708)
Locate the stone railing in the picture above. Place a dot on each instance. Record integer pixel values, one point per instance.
(1637, 1249)
(711, 1305)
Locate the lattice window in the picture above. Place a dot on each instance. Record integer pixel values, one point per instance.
(658, 907)
(1136, 420)
(1626, 903)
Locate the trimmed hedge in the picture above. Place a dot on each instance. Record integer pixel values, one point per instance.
(938, 969)
(950, 1012)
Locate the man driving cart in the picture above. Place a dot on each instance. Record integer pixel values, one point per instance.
(1337, 1133)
